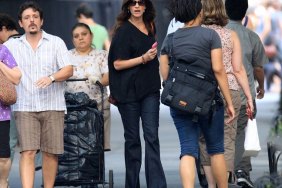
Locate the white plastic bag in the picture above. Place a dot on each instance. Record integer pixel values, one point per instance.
(251, 144)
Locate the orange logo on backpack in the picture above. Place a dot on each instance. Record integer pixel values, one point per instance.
(182, 103)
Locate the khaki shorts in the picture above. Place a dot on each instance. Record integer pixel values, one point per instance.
(41, 131)
(230, 131)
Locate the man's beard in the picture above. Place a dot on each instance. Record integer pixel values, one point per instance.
(33, 32)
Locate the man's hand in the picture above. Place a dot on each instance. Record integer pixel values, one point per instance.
(43, 82)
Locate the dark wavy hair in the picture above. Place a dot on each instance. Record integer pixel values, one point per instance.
(214, 13)
(8, 22)
(185, 10)
(30, 4)
(236, 9)
(148, 16)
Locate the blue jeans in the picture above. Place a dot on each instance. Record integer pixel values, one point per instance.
(189, 132)
(148, 110)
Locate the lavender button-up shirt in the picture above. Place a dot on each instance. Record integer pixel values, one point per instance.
(6, 58)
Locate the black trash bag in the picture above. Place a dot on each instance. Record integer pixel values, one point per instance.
(83, 157)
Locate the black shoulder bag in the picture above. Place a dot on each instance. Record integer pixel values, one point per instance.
(188, 90)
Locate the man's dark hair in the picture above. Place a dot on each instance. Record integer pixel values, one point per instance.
(185, 10)
(85, 10)
(236, 9)
(30, 4)
(8, 22)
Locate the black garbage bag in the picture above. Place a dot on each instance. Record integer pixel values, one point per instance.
(83, 158)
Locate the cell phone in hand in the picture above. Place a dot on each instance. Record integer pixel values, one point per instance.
(154, 45)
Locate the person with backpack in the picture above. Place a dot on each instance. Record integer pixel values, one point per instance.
(190, 44)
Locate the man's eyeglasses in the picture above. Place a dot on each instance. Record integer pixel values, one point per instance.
(134, 3)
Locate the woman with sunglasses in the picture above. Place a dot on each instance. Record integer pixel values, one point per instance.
(135, 86)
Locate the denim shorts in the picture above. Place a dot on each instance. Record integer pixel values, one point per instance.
(212, 128)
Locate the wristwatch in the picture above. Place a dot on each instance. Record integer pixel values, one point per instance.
(52, 78)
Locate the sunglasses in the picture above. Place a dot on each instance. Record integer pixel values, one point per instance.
(134, 3)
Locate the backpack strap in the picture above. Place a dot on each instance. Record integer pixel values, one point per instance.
(246, 21)
(170, 50)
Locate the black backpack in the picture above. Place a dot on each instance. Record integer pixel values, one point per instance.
(191, 86)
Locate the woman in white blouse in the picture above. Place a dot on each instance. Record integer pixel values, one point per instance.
(92, 64)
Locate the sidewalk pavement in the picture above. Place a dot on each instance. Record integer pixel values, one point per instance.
(267, 109)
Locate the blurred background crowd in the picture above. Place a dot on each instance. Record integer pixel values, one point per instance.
(266, 20)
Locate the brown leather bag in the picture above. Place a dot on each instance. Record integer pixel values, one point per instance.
(8, 93)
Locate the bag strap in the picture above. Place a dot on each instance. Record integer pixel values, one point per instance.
(170, 50)
(190, 72)
(246, 21)
(174, 60)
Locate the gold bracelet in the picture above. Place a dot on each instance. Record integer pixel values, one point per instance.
(143, 59)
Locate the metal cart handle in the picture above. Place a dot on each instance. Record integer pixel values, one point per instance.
(76, 79)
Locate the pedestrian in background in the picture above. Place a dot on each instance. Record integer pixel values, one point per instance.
(40, 108)
(215, 18)
(173, 26)
(254, 58)
(191, 43)
(9, 30)
(135, 86)
(10, 70)
(90, 63)
(84, 14)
